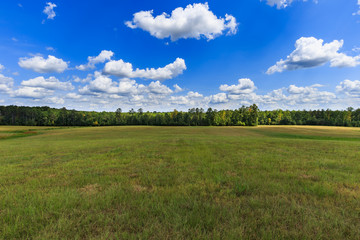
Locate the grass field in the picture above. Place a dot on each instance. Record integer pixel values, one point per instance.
(180, 183)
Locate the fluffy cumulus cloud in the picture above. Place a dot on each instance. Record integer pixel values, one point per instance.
(104, 84)
(219, 98)
(56, 100)
(32, 92)
(192, 94)
(92, 61)
(51, 83)
(350, 88)
(42, 65)
(245, 86)
(194, 21)
(124, 69)
(293, 97)
(42, 89)
(191, 99)
(157, 96)
(158, 88)
(6, 84)
(311, 52)
(49, 10)
(308, 95)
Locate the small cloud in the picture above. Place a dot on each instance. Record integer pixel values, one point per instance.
(50, 49)
(350, 88)
(83, 80)
(42, 65)
(104, 56)
(14, 39)
(124, 69)
(20, 5)
(49, 10)
(245, 86)
(281, 4)
(356, 49)
(177, 88)
(56, 100)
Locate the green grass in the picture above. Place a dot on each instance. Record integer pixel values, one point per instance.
(180, 183)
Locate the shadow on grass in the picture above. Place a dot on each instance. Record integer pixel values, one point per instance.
(19, 134)
(306, 137)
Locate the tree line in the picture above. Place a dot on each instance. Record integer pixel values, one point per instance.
(243, 116)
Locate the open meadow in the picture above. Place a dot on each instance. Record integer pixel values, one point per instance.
(139, 182)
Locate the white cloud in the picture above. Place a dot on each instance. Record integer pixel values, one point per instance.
(128, 91)
(311, 52)
(50, 49)
(298, 96)
(51, 83)
(32, 92)
(219, 98)
(279, 3)
(177, 88)
(101, 58)
(192, 99)
(6, 83)
(245, 86)
(1, 67)
(158, 88)
(83, 80)
(350, 88)
(194, 21)
(282, 3)
(123, 69)
(49, 10)
(104, 84)
(180, 100)
(73, 96)
(192, 94)
(56, 100)
(42, 65)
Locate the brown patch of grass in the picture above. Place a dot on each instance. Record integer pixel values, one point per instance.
(90, 189)
(231, 173)
(30, 132)
(309, 177)
(350, 190)
(134, 175)
(139, 188)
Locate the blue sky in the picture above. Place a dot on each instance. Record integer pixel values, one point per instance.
(161, 55)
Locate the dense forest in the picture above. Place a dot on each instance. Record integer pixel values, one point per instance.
(244, 116)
